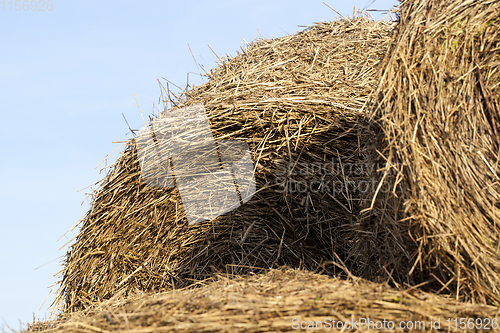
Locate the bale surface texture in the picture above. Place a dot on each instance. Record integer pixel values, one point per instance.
(270, 302)
(438, 116)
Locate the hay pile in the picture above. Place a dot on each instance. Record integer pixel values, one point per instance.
(270, 303)
(409, 193)
(439, 102)
(297, 103)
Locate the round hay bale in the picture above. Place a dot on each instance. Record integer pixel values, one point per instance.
(438, 118)
(297, 102)
(281, 300)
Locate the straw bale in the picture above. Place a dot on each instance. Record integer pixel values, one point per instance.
(278, 301)
(296, 101)
(437, 122)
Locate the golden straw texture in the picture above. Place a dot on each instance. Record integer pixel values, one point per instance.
(438, 115)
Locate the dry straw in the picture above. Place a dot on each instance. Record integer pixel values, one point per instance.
(438, 116)
(277, 302)
(300, 101)
(297, 102)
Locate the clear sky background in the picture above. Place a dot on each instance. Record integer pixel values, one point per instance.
(66, 77)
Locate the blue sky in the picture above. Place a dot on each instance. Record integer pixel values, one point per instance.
(66, 77)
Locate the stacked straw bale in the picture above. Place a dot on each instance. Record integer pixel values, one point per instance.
(439, 115)
(297, 102)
